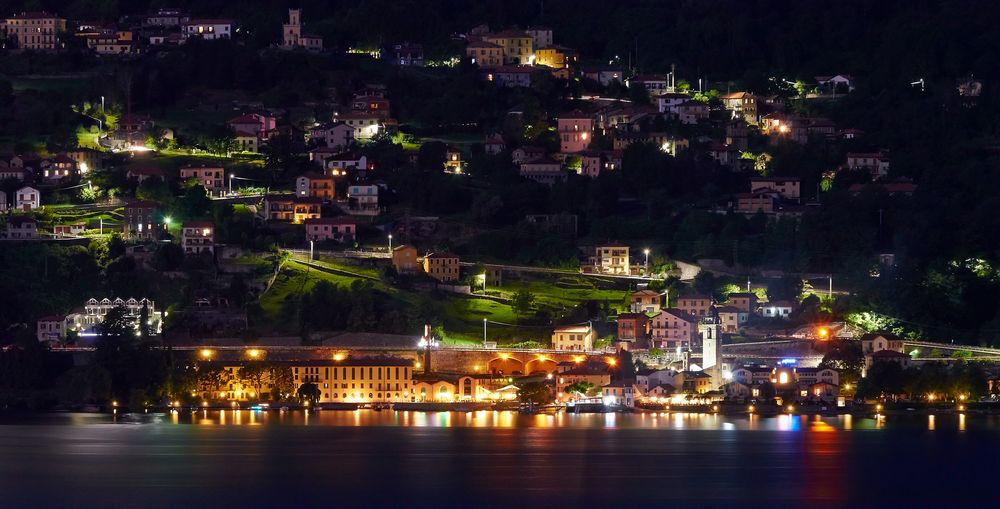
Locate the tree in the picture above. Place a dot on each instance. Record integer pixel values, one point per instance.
(522, 301)
(282, 382)
(581, 388)
(846, 357)
(309, 392)
(534, 393)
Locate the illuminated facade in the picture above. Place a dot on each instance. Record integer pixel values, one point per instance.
(575, 131)
(198, 237)
(35, 30)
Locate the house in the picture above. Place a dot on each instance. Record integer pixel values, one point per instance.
(516, 46)
(575, 130)
(198, 237)
(257, 124)
(142, 173)
(441, 266)
(314, 185)
(3, 200)
(60, 167)
(655, 84)
(673, 329)
(527, 153)
(744, 301)
(691, 112)
(741, 104)
(543, 170)
(406, 54)
(485, 54)
(821, 391)
(292, 36)
(494, 144)
(51, 328)
(618, 394)
(210, 29)
(592, 163)
(10, 172)
(94, 312)
(633, 328)
(789, 188)
(68, 230)
(647, 379)
(166, 17)
(611, 259)
(511, 76)
(144, 220)
(590, 373)
(753, 375)
(666, 102)
(876, 163)
(603, 75)
(362, 200)
(373, 104)
(810, 376)
(578, 338)
(247, 142)
(366, 124)
(731, 318)
(767, 202)
(541, 37)
(340, 229)
(556, 57)
(777, 309)
(212, 178)
(695, 305)
(885, 356)
(645, 301)
(27, 199)
(840, 83)
(693, 382)
(22, 228)
(287, 207)
(336, 136)
(726, 155)
(876, 342)
(35, 30)
(339, 164)
(404, 259)
(452, 160)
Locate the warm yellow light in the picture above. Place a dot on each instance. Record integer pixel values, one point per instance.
(878, 407)
(715, 408)
(612, 361)
(504, 356)
(930, 397)
(417, 365)
(961, 397)
(206, 353)
(791, 408)
(783, 128)
(823, 332)
(750, 409)
(114, 403)
(204, 403)
(578, 359)
(253, 353)
(306, 403)
(548, 376)
(338, 356)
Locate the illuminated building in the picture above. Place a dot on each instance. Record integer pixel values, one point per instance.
(578, 338)
(35, 30)
(198, 237)
(575, 131)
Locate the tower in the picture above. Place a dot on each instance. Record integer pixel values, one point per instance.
(293, 29)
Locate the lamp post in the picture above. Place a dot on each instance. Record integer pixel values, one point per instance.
(230, 184)
(646, 252)
(484, 331)
(390, 243)
(311, 250)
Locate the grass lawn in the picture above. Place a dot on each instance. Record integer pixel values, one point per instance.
(294, 278)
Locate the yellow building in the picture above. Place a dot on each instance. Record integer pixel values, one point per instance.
(404, 259)
(441, 266)
(556, 57)
(351, 380)
(516, 46)
(576, 338)
(35, 30)
(485, 54)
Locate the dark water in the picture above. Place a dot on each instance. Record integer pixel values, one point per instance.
(492, 459)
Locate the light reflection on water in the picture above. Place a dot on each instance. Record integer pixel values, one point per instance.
(511, 419)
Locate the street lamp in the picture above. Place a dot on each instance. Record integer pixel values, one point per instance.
(230, 183)
(311, 250)
(646, 252)
(390, 243)
(484, 331)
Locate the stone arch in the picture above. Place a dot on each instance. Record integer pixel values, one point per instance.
(540, 365)
(506, 366)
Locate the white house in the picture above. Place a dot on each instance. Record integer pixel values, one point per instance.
(777, 309)
(618, 394)
(363, 200)
(208, 28)
(27, 198)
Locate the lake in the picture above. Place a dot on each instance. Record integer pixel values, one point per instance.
(491, 459)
